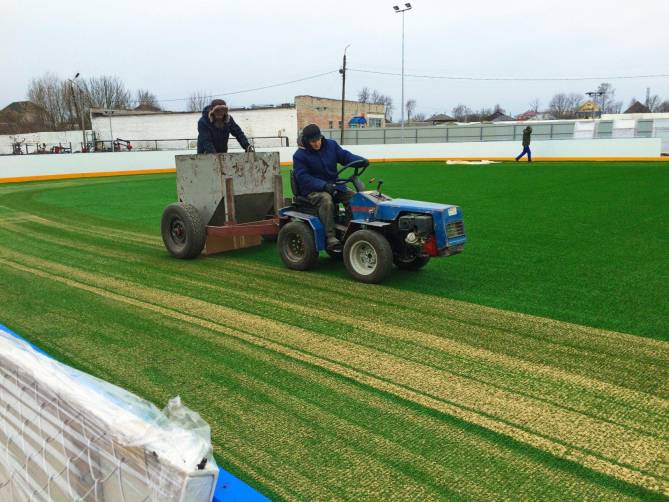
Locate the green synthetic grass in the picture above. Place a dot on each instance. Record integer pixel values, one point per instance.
(585, 242)
(317, 387)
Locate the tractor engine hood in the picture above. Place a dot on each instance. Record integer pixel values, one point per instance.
(446, 218)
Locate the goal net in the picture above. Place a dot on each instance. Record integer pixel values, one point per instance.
(65, 435)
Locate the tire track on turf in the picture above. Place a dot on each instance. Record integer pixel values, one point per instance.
(481, 473)
(509, 373)
(576, 337)
(596, 445)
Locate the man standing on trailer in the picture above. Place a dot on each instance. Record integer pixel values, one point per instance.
(214, 129)
(315, 170)
(527, 132)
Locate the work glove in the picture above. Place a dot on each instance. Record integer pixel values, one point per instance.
(250, 148)
(330, 188)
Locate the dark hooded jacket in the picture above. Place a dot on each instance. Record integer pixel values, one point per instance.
(212, 139)
(527, 132)
(315, 169)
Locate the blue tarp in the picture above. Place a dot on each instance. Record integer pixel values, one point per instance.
(357, 122)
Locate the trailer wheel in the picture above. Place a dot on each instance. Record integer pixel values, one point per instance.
(368, 256)
(414, 263)
(183, 232)
(296, 246)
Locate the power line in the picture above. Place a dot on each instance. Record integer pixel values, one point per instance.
(511, 79)
(256, 88)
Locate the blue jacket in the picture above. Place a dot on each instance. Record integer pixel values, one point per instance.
(211, 139)
(315, 169)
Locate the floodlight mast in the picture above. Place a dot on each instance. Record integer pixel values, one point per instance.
(77, 108)
(407, 6)
(594, 95)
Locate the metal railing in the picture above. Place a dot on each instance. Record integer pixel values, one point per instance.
(142, 145)
(488, 132)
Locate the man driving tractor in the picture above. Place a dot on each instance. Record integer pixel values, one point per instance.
(315, 170)
(214, 129)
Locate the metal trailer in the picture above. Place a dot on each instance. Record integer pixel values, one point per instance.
(226, 201)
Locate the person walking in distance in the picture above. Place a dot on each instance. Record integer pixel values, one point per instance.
(527, 132)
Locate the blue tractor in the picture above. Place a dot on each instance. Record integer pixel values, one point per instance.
(377, 232)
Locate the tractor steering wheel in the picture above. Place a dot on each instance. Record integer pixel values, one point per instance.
(358, 169)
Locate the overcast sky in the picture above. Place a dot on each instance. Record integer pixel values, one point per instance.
(173, 48)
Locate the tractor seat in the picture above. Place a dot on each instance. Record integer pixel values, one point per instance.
(298, 200)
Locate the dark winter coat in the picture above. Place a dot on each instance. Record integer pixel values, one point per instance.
(527, 132)
(212, 139)
(315, 169)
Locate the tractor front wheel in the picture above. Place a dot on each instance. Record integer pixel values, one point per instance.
(368, 256)
(296, 246)
(183, 232)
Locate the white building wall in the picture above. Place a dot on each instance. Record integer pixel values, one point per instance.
(183, 126)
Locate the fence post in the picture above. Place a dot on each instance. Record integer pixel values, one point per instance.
(551, 132)
(416, 135)
(481, 133)
(384, 135)
(156, 142)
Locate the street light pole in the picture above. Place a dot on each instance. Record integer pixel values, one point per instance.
(78, 109)
(407, 6)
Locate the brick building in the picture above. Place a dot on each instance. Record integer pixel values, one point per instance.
(326, 113)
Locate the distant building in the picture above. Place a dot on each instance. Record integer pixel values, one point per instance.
(532, 115)
(440, 118)
(326, 113)
(637, 107)
(589, 110)
(271, 126)
(499, 116)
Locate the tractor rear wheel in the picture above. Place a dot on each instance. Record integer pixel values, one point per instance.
(368, 256)
(183, 232)
(297, 247)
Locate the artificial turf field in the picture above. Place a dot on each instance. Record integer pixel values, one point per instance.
(533, 365)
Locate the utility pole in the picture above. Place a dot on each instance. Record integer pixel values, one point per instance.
(343, 95)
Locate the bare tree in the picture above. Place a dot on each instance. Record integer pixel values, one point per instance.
(482, 114)
(564, 106)
(653, 102)
(50, 94)
(107, 91)
(198, 100)
(607, 101)
(387, 102)
(462, 113)
(363, 95)
(410, 107)
(664, 107)
(146, 100)
(535, 104)
(419, 117)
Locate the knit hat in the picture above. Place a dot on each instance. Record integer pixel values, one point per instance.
(310, 133)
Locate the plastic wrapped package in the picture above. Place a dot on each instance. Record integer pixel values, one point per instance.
(66, 435)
